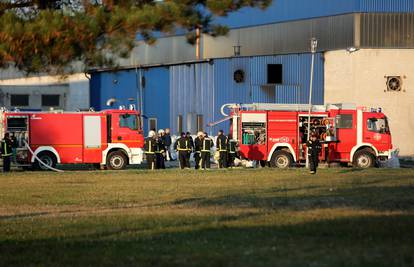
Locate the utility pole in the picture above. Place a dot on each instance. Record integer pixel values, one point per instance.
(314, 46)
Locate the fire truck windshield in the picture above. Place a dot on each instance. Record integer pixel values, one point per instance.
(128, 121)
(378, 125)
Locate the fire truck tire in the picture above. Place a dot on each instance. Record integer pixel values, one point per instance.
(363, 159)
(116, 160)
(46, 157)
(281, 159)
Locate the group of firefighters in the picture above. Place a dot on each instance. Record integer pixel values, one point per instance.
(157, 149)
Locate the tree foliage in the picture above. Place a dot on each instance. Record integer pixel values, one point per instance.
(47, 36)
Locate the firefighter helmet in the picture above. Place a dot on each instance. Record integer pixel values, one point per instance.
(151, 133)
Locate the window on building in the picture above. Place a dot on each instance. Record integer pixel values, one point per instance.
(19, 100)
(128, 121)
(152, 124)
(180, 124)
(50, 100)
(344, 121)
(274, 74)
(200, 123)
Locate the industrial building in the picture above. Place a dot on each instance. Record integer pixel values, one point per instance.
(365, 56)
(43, 92)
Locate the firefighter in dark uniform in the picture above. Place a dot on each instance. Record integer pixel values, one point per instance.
(188, 135)
(6, 152)
(150, 148)
(232, 151)
(167, 142)
(206, 145)
(222, 143)
(197, 149)
(159, 151)
(182, 145)
(314, 148)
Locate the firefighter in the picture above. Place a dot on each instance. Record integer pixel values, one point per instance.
(206, 145)
(6, 152)
(232, 151)
(188, 135)
(197, 149)
(150, 148)
(222, 143)
(160, 151)
(314, 148)
(167, 142)
(182, 145)
(15, 145)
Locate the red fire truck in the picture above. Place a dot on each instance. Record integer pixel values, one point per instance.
(277, 134)
(112, 138)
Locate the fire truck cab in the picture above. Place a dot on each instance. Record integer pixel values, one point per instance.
(112, 138)
(277, 134)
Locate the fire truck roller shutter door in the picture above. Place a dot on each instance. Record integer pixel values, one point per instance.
(92, 131)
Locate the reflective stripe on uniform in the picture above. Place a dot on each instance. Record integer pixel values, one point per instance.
(6, 153)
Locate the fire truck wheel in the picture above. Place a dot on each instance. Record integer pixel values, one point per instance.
(281, 159)
(364, 159)
(116, 161)
(47, 158)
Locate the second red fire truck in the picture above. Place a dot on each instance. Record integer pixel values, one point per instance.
(277, 134)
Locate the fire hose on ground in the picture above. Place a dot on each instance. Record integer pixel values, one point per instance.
(40, 161)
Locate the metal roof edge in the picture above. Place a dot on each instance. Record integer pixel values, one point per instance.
(147, 66)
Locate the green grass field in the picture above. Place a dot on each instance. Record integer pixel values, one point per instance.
(262, 217)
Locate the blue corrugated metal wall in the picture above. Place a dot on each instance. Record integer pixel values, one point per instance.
(156, 95)
(118, 84)
(124, 84)
(295, 87)
(202, 88)
(385, 6)
(287, 10)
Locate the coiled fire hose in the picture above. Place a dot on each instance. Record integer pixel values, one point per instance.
(40, 161)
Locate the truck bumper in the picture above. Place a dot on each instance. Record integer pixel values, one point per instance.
(136, 156)
(386, 154)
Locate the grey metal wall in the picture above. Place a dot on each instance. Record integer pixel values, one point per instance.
(166, 50)
(387, 30)
(191, 94)
(335, 32)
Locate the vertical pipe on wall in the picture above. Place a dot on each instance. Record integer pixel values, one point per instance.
(314, 44)
(198, 49)
(141, 98)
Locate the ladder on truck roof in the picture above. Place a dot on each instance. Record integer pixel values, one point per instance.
(291, 107)
(283, 107)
